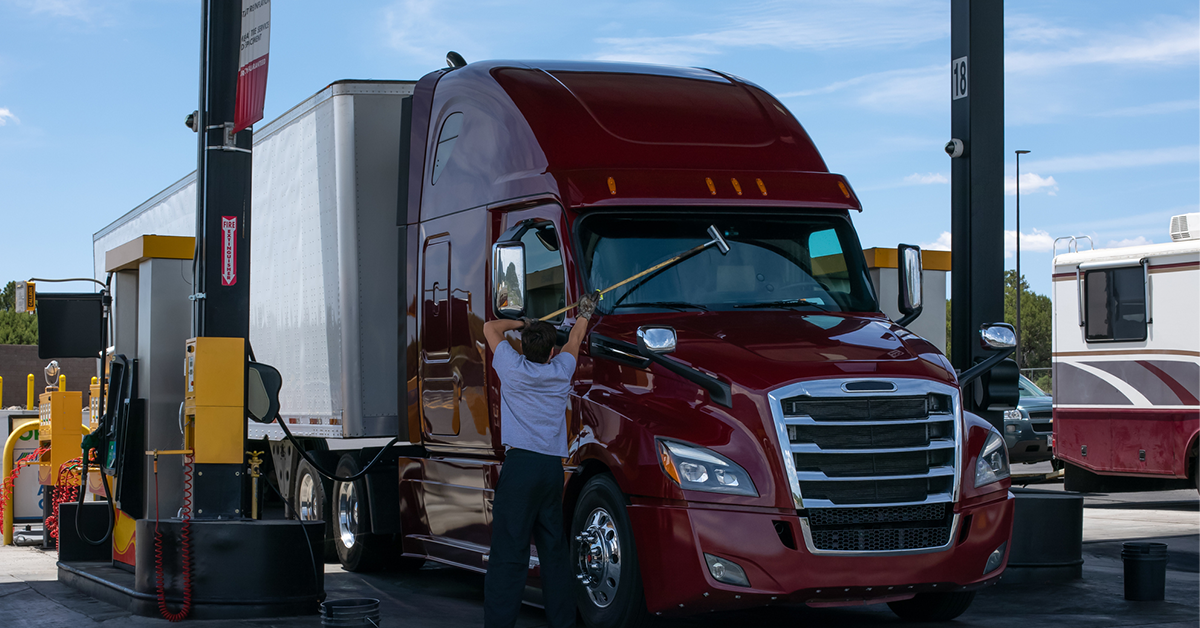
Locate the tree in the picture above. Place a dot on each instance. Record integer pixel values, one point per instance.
(1036, 341)
(16, 328)
(1035, 328)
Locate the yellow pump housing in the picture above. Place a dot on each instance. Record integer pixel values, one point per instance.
(214, 399)
(61, 426)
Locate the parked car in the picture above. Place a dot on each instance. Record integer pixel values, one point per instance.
(1027, 430)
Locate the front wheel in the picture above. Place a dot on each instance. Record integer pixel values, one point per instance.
(933, 606)
(606, 563)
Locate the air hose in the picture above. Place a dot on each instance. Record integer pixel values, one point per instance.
(112, 515)
(185, 547)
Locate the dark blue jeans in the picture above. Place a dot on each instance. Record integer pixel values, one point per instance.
(528, 502)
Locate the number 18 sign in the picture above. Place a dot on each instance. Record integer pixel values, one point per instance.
(958, 78)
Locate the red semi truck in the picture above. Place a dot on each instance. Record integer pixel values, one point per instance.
(746, 429)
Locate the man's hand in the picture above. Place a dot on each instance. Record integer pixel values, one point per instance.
(493, 331)
(587, 304)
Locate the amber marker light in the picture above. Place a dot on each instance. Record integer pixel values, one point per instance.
(736, 186)
(711, 188)
(612, 186)
(668, 465)
(761, 186)
(842, 187)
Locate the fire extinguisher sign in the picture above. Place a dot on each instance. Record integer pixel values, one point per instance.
(228, 250)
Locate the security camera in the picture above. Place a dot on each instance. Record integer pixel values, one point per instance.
(954, 148)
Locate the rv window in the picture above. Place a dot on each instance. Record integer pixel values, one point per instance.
(1115, 304)
(544, 277)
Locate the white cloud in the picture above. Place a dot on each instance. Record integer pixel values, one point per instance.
(794, 25)
(6, 115)
(917, 178)
(1163, 42)
(1035, 240)
(1151, 109)
(1138, 241)
(1035, 29)
(1117, 159)
(941, 244)
(421, 30)
(1030, 183)
(76, 9)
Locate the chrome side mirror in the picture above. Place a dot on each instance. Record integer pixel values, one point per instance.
(909, 296)
(997, 336)
(508, 279)
(656, 339)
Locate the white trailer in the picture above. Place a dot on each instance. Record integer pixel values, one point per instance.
(324, 261)
(1126, 359)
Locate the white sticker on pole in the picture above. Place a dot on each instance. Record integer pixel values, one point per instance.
(958, 78)
(252, 63)
(228, 250)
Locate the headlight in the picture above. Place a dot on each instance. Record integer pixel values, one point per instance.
(992, 465)
(1012, 415)
(699, 469)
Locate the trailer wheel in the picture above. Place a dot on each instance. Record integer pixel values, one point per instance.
(933, 606)
(311, 502)
(606, 563)
(357, 549)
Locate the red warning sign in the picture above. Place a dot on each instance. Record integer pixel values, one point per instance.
(255, 46)
(228, 250)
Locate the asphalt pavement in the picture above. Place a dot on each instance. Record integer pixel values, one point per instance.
(30, 595)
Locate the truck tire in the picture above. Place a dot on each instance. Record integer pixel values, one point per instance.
(933, 606)
(357, 549)
(311, 502)
(602, 548)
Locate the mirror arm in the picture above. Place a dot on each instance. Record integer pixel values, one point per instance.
(910, 317)
(973, 373)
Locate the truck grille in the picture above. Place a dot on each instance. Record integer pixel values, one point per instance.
(875, 471)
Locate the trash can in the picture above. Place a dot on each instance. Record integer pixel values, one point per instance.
(362, 611)
(1145, 571)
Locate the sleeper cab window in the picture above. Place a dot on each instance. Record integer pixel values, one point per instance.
(1115, 304)
(545, 289)
(445, 145)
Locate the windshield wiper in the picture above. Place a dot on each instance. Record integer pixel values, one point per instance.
(787, 304)
(674, 305)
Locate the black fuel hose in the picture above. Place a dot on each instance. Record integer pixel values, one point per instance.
(112, 514)
(330, 476)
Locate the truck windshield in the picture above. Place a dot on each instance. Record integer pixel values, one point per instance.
(789, 261)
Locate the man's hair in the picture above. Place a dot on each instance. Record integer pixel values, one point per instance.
(537, 341)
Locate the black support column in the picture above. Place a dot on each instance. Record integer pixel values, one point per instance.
(222, 275)
(222, 185)
(977, 179)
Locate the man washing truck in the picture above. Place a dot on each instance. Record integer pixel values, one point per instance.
(528, 497)
(744, 428)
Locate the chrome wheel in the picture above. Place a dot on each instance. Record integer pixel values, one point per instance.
(307, 504)
(347, 513)
(598, 558)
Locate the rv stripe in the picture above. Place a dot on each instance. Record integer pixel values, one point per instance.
(1185, 396)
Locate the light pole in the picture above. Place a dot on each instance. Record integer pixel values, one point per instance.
(1019, 153)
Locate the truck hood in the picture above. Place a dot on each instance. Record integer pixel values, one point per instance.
(762, 350)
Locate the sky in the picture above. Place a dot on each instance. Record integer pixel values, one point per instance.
(1105, 95)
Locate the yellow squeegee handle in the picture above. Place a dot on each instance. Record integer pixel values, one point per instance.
(654, 268)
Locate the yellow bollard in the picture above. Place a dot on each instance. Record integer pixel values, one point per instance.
(6, 470)
(29, 394)
(62, 383)
(1, 393)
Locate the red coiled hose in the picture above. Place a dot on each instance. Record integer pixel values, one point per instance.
(185, 547)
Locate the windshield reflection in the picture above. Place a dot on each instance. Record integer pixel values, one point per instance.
(801, 262)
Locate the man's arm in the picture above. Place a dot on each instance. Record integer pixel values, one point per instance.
(578, 331)
(494, 331)
(587, 307)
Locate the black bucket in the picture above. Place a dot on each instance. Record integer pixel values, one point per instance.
(361, 611)
(1145, 571)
